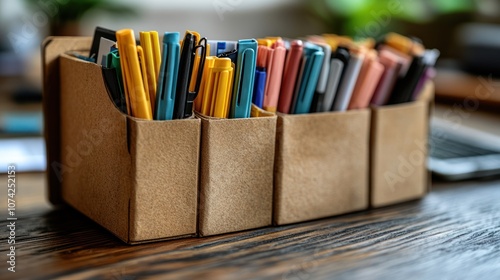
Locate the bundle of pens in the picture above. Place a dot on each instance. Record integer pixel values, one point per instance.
(222, 78)
(334, 73)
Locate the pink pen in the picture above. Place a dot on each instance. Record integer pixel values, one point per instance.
(275, 64)
(292, 64)
(368, 79)
(384, 88)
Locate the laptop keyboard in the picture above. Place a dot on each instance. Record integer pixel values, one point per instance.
(442, 146)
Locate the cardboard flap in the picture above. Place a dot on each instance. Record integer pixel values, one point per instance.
(52, 48)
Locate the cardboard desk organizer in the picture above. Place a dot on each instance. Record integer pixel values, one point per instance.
(154, 180)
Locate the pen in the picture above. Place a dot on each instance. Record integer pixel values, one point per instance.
(392, 64)
(155, 41)
(339, 62)
(135, 89)
(204, 98)
(184, 97)
(290, 72)
(319, 95)
(405, 86)
(260, 76)
(113, 61)
(348, 82)
(368, 79)
(244, 79)
(274, 75)
(430, 58)
(167, 80)
(310, 70)
(221, 85)
(149, 62)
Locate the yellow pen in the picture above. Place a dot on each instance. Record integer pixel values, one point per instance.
(149, 63)
(135, 89)
(264, 42)
(203, 99)
(222, 87)
(140, 53)
(155, 41)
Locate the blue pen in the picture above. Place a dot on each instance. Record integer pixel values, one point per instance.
(311, 67)
(167, 80)
(219, 47)
(244, 79)
(259, 87)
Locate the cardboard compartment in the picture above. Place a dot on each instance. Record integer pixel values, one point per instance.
(399, 151)
(136, 178)
(321, 166)
(236, 173)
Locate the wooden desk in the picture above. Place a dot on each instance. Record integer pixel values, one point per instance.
(454, 233)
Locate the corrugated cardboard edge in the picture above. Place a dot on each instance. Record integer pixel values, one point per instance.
(321, 166)
(236, 173)
(417, 113)
(51, 48)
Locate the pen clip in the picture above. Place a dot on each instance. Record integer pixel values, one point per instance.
(202, 44)
(247, 61)
(228, 53)
(191, 95)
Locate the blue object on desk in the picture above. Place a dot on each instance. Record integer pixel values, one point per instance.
(22, 123)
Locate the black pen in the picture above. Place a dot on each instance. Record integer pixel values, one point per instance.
(184, 98)
(404, 88)
(184, 78)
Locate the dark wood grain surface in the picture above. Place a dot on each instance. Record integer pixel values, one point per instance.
(453, 233)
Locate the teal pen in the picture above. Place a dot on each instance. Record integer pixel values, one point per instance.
(167, 79)
(113, 61)
(311, 68)
(244, 79)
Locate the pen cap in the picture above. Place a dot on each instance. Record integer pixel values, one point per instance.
(171, 37)
(244, 78)
(221, 64)
(264, 42)
(125, 36)
(399, 42)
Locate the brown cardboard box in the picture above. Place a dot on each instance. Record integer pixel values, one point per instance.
(136, 178)
(321, 165)
(236, 173)
(399, 151)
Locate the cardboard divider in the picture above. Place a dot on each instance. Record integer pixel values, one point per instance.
(236, 173)
(399, 151)
(136, 178)
(321, 166)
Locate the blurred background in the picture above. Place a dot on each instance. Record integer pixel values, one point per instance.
(465, 31)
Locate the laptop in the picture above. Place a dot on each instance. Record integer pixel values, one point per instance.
(459, 152)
